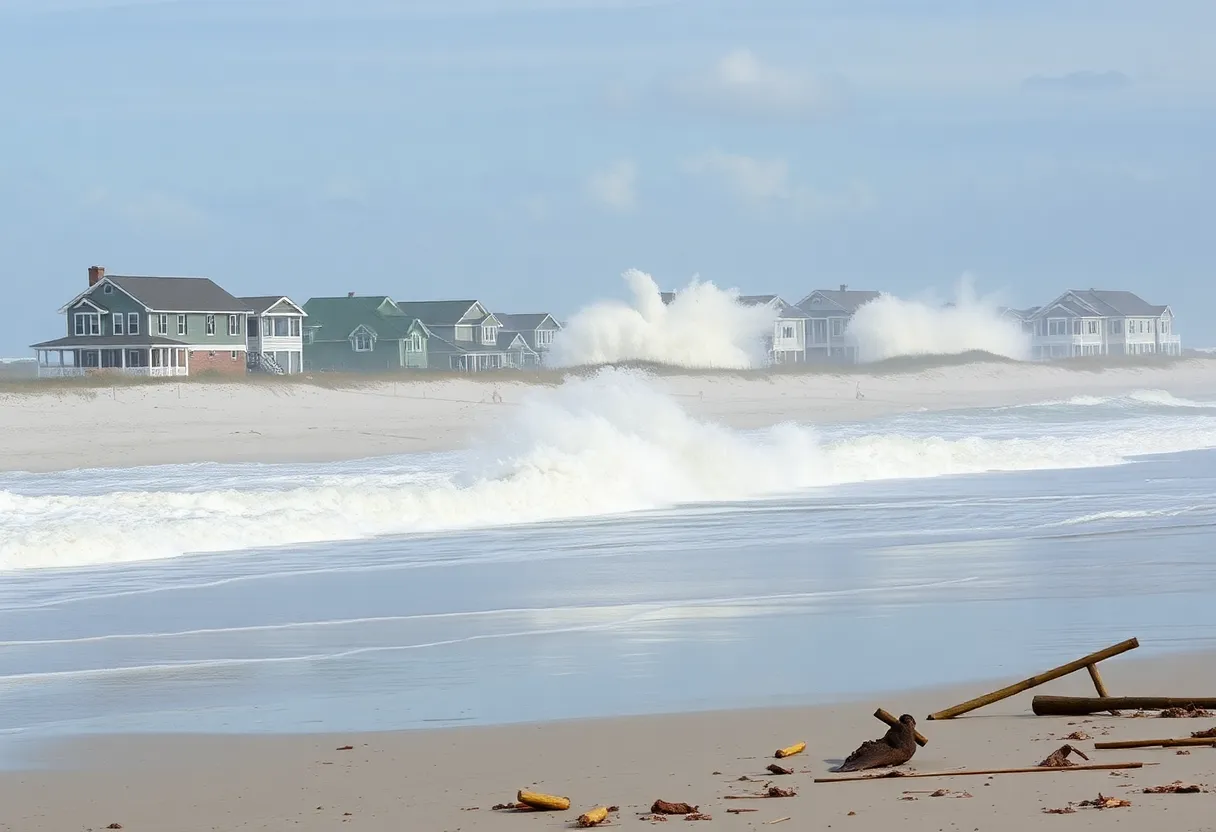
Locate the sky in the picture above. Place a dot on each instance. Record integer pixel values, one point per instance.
(526, 153)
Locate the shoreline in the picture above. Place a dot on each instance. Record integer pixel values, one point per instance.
(65, 428)
(432, 778)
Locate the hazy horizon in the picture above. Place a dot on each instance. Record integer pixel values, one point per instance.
(528, 152)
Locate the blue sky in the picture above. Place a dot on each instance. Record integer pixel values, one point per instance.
(526, 152)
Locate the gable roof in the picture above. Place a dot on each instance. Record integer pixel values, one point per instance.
(445, 312)
(175, 294)
(1102, 303)
(264, 303)
(335, 319)
(841, 300)
(507, 340)
(526, 321)
(784, 310)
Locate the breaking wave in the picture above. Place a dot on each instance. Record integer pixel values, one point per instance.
(604, 444)
(703, 327)
(890, 327)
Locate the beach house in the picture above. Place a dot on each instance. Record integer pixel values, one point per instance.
(537, 329)
(467, 337)
(274, 335)
(787, 344)
(358, 333)
(1102, 322)
(829, 312)
(148, 326)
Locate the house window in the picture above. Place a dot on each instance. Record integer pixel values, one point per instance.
(234, 355)
(132, 323)
(116, 322)
(309, 335)
(295, 327)
(234, 324)
(281, 327)
(1076, 327)
(1057, 326)
(489, 334)
(1116, 327)
(544, 337)
(464, 333)
(1142, 327)
(837, 327)
(362, 342)
(787, 331)
(1165, 327)
(162, 324)
(413, 343)
(181, 324)
(88, 323)
(107, 289)
(1091, 327)
(209, 325)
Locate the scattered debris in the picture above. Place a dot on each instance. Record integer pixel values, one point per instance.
(776, 769)
(909, 797)
(345, 748)
(1066, 810)
(662, 807)
(114, 826)
(1182, 752)
(1078, 736)
(773, 791)
(1184, 712)
(740, 811)
(518, 807)
(790, 751)
(966, 772)
(948, 793)
(892, 722)
(1059, 757)
(698, 816)
(1177, 787)
(543, 802)
(1203, 735)
(775, 822)
(894, 748)
(1103, 802)
(594, 817)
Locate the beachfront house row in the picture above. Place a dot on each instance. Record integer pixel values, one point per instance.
(359, 333)
(538, 329)
(148, 326)
(787, 344)
(467, 337)
(274, 335)
(1102, 322)
(829, 312)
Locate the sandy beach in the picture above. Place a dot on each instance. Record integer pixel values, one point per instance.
(448, 779)
(58, 427)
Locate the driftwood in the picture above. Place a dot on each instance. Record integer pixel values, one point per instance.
(790, 751)
(594, 817)
(1042, 678)
(773, 791)
(1059, 757)
(890, 720)
(776, 769)
(662, 807)
(970, 772)
(1085, 705)
(1166, 743)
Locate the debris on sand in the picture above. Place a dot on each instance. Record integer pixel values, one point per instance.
(698, 816)
(1078, 736)
(662, 807)
(894, 748)
(1177, 787)
(1103, 802)
(1059, 757)
(776, 769)
(1203, 735)
(1064, 810)
(543, 802)
(1186, 712)
(790, 751)
(344, 748)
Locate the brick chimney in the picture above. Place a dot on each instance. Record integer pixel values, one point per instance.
(96, 273)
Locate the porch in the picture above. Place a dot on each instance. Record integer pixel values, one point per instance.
(150, 362)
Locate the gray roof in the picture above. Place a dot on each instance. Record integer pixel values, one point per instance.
(525, 321)
(1089, 303)
(784, 310)
(438, 312)
(506, 336)
(177, 294)
(261, 303)
(85, 342)
(838, 300)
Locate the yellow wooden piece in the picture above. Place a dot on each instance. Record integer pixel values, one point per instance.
(544, 802)
(791, 751)
(593, 818)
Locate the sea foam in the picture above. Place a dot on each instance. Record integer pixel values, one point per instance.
(605, 444)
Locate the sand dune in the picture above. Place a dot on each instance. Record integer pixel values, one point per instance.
(57, 427)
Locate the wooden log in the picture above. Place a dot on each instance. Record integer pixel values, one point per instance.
(1035, 681)
(594, 817)
(543, 802)
(1085, 705)
(890, 719)
(1167, 743)
(972, 772)
(1099, 685)
(790, 751)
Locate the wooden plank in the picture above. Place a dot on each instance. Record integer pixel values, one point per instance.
(1099, 686)
(1167, 743)
(1085, 705)
(1035, 681)
(989, 771)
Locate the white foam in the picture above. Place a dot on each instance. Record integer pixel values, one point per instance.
(889, 327)
(704, 326)
(606, 444)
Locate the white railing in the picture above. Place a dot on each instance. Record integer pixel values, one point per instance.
(55, 371)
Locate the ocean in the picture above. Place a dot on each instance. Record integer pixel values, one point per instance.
(603, 553)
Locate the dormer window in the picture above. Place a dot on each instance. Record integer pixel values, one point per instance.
(362, 341)
(489, 334)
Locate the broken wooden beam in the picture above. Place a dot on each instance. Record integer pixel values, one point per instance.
(1035, 681)
(972, 772)
(1085, 705)
(889, 719)
(1166, 743)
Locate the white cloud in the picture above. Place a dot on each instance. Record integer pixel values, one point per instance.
(616, 186)
(741, 84)
(766, 182)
